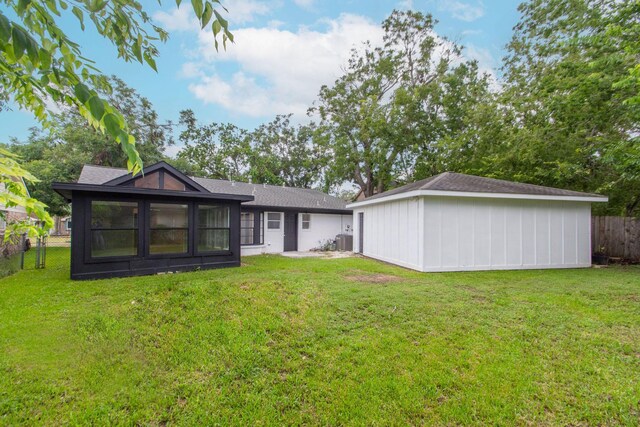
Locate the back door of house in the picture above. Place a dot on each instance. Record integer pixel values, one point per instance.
(290, 231)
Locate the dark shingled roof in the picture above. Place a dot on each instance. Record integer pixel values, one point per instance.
(265, 195)
(450, 181)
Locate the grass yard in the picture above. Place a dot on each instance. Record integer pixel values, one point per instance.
(317, 341)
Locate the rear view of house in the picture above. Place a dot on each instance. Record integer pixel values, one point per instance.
(456, 222)
(164, 221)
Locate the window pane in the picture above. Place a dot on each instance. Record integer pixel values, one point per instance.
(246, 236)
(273, 221)
(171, 183)
(106, 243)
(246, 220)
(213, 240)
(114, 214)
(166, 215)
(151, 180)
(213, 216)
(168, 241)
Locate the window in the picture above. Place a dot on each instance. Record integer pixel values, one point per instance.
(169, 228)
(151, 180)
(273, 221)
(114, 229)
(247, 227)
(251, 228)
(306, 221)
(213, 228)
(67, 224)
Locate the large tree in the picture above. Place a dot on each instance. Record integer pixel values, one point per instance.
(286, 154)
(277, 152)
(384, 118)
(570, 92)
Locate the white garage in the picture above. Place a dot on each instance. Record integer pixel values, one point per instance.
(457, 222)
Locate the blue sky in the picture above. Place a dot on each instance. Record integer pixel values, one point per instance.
(284, 51)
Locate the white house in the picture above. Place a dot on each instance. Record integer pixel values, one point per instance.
(456, 222)
(278, 219)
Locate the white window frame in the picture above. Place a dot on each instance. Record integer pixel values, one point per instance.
(307, 221)
(269, 221)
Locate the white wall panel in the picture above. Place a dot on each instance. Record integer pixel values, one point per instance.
(505, 234)
(461, 233)
(322, 227)
(391, 232)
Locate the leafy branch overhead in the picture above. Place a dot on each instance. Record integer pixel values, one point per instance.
(40, 65)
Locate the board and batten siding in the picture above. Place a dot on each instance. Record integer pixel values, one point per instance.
(489, 234)
(392, 232)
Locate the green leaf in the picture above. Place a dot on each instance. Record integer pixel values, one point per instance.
(216, 27)
(45, 59)
(19, 39)
(197, 8)
(223, 21)
(206, 16)
(152, 62)
(137, 50)
(82, 93)
(78, 13)
(112, 123)
(5, 28)
(96, 107)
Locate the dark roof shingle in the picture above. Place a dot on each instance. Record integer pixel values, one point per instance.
(450, 181)
(265, 195)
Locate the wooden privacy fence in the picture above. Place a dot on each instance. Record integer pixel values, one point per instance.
(616, 236)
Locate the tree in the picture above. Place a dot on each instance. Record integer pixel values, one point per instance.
(284, 154)
(216, 150)
(40, 64)
(572, 117)
(384, 117)
(277, 153)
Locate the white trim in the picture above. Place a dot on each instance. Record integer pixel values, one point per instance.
(436, 193)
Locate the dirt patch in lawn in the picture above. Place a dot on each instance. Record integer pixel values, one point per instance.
(377, 278)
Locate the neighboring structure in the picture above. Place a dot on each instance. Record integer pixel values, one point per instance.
(456, 222)
(167, 221)
(61, 226)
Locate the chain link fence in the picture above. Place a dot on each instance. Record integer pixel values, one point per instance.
(52, 252)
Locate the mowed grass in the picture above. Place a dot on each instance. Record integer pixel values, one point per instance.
(322, 342)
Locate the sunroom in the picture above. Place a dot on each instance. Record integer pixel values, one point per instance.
(161, 221)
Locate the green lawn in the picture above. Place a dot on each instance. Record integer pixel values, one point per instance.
(319, 341)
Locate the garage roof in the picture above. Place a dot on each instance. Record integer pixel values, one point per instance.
(458, 184)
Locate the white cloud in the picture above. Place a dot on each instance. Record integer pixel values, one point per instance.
(280, 71)
(242, 11)
(305, 4)
(178, 19)
(463, 11)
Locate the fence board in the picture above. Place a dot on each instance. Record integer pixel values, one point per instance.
(616, 236)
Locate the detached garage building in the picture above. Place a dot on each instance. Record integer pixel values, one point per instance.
(457, 222)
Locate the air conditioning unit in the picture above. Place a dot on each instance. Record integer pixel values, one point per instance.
(344, 242)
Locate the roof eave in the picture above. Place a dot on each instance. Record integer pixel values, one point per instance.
(66, 189)
(437, 193)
